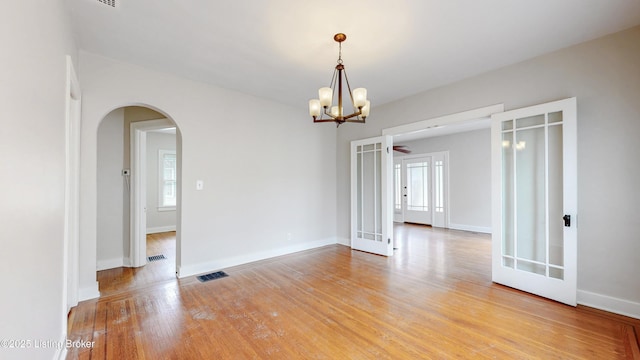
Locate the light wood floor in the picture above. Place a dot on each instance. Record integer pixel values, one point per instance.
(118, 280)
(433, 299)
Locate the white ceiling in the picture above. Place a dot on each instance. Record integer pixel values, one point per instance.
(283, 50)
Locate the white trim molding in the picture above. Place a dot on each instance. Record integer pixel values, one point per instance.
(457, 118)
(201, 268)
(343, 241)
(473, 228)
(161, 229)
(88, 293)
(609, 303)
(109, 264)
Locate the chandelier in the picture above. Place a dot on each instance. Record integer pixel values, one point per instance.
(324, 105)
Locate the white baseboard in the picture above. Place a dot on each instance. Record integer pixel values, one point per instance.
(195, 269)
(88, 293)
(478, 229)
(610, 304)
(109, 264)
(344, 241)
(161, 229)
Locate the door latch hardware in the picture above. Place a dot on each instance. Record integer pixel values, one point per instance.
(567, 220)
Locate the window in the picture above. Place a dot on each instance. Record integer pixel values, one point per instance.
(167, 180)
(439, 180)
(397, 181)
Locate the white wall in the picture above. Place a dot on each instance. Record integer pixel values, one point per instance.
(157, 221)
(35, 38)
(469, 176)
(268, 171)
(110, 187)
(604, 75)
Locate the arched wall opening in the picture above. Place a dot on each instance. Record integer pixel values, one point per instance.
(130, 141)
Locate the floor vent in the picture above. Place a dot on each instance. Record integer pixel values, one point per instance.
(111, 3)
(212, 276)
(156, 257)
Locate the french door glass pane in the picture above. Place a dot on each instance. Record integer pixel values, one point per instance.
(532, 183)
(507, 197)
(555, 117)
(369, 191)
(530, 195)
(530, 121)
(556, 181)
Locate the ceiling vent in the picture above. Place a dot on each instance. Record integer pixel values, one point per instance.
(111, 3)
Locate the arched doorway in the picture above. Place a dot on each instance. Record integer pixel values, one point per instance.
(134, 185)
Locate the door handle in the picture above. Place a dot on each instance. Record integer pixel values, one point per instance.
(567, 220)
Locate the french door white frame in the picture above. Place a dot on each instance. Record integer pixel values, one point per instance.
(372, 230)
(565, 289)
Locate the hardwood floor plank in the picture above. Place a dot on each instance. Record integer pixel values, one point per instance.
(433, 299)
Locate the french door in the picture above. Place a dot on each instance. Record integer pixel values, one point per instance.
(371, 198)
(535, 199)
(418, 190)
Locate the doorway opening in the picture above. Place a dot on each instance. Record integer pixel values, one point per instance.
(372, 203)
(461, 193)
(139, 172)
(421, 188)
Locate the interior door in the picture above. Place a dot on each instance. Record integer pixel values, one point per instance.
(417, 190)
(371, 211)
(535, 199)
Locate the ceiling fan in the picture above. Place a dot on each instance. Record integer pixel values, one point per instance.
(401, 148)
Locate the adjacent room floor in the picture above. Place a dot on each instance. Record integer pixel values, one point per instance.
(118, 280)
(433, 299)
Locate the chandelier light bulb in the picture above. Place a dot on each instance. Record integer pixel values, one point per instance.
(365, 109)
(326, 96)
(359, 97)
(314, 107)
